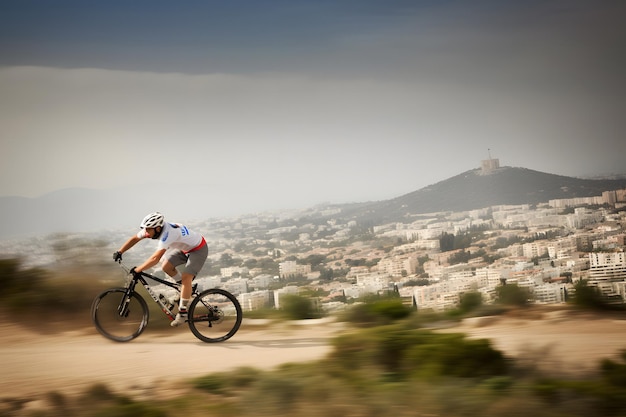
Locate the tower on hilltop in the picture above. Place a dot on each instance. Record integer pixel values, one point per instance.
(487, 166)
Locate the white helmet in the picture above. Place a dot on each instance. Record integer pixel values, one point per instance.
(152, 220)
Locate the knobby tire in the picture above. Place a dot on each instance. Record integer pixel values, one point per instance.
(120, 328)
(214, 315)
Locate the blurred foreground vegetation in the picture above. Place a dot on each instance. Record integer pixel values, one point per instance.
(59, 294)
(389, 363)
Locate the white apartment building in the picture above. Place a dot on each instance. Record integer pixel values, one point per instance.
(535, 249)
(255, 300)
(516, 250)
(431, 298)
(582, 217)
(236, 286)
(357, 270)
(261, 281)
(429, 244)
(290, 289)
(487, 277)
(406, 248)
(232, 270)
(396, 266)
(289, 269)
(556, 252)
(372, 282)
(550, 293)
(427, 297)
(208, 282)
(608, 243)
(424, 234)
(445, 294)
(562, 248)
(550, 220)
(355, 291)
(462, 275)
(607, 266)
(580, 201)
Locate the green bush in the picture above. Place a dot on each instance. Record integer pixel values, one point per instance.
(296, 307)
(377, 311)
(470, 301)
(34, 290)
(513, 295)
(614, 373)
(213, 383)
(223, 382)
(275, 394)
(99, 393)
(132, 409)
(399, 350)
(390, 309)
(590, 298)
(16, 281)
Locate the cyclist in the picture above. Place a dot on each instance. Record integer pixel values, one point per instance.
(180, 246)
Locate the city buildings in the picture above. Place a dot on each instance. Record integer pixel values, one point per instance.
(546, 248)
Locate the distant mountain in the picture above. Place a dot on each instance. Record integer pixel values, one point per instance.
(79, 210)
(69, 211)
(473, 190)
(84, 210)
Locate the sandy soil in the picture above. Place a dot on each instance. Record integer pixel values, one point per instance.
(557, 340)
(71, 361)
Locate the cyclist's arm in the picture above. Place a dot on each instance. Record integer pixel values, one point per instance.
(151, 261)
(130, 243)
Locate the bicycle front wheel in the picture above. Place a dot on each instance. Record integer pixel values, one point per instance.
(116, 319)
(214, 315)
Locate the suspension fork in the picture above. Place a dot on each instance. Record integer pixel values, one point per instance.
(122, 309)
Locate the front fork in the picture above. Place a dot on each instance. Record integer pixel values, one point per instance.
(122, 309)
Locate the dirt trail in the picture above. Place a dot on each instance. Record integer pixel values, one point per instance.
(69, 362)
(558, 341)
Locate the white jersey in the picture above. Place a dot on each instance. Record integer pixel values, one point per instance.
(177, 236)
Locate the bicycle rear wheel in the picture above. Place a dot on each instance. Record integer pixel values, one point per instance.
(214, 315)
(115, 325)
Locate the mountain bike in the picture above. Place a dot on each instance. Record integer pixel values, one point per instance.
(121, 314)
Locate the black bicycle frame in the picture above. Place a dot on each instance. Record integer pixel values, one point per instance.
(141, 278)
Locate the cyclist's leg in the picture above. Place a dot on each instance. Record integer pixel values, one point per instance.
(171, 260)
(195, 262)
(185, 296)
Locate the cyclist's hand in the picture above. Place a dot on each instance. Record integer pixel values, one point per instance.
(132, 271)
(117, 256)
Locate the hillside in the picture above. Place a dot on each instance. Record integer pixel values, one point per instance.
(471, 190)
(84, 210)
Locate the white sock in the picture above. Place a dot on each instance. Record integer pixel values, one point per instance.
(183, 304)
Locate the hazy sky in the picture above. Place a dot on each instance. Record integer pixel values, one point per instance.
(294, 102)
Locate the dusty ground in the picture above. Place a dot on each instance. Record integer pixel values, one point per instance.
(71, 361)
(34, 363)
(559, 340)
